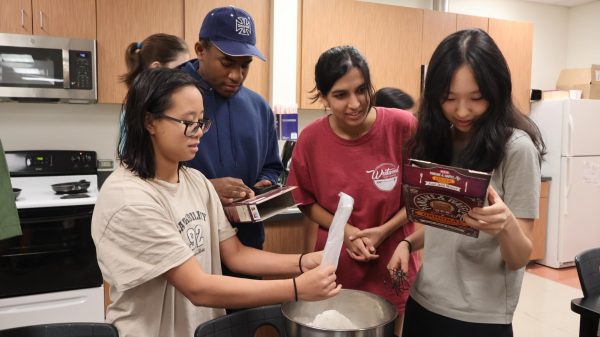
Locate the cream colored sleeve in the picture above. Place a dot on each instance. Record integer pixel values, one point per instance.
(139, 244)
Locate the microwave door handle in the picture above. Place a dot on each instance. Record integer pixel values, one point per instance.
(66, 74)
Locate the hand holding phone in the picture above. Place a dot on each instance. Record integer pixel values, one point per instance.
(261, 190)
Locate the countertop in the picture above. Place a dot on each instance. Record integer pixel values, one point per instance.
(292, 213)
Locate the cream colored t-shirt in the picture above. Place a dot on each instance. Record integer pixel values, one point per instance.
(143, 228)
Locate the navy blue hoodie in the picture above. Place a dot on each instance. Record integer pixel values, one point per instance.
(241, 142)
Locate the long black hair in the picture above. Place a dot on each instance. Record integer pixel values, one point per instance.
(487, 147)
(148, 97)
(336, 62)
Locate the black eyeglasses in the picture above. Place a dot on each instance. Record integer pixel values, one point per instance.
(203, 124)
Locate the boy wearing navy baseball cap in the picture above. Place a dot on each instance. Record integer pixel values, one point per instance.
(232, 31)
(241, 149)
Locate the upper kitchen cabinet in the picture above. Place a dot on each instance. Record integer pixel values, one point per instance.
(15, 16)
(436, 26)
(469, 21)
(515, 40)
(327, 24)
(393, 46)
(121, 23)
(67, 18)
(258, 76)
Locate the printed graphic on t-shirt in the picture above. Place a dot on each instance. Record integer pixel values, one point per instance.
(191, 227)
(385, 176)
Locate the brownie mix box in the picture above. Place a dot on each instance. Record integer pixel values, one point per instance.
(262, 206)
(439, 195)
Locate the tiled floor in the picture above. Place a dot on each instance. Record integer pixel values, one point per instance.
(544, 308)
(567, 276)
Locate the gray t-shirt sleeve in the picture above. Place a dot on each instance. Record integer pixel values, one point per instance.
(520, 180)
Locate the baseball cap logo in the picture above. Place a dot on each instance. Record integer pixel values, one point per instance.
(242, 26)
(232, 30)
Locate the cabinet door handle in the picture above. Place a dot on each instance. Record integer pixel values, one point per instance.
(22, 18)
(41, 20)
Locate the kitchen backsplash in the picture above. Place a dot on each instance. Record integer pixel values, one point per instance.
(90, 127)
(42, 126)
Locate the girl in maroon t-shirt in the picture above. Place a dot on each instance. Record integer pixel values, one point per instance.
(356, 149)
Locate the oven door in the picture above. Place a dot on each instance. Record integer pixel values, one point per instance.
(55, 253)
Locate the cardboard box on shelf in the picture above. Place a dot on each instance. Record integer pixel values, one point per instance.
(585, 79)
(595, 91)
(554, 94)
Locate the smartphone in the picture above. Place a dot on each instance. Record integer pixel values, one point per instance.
(265, 189)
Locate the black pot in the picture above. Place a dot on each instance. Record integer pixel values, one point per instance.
(16, 191)
(71, 187)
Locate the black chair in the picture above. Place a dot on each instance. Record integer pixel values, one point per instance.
(243, 323)
(588, 307)
(63, 330)
(588, 271)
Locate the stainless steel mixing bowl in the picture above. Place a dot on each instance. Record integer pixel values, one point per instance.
(372, 315)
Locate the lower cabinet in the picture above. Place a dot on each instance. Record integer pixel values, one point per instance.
(540, 225)
(290, 234)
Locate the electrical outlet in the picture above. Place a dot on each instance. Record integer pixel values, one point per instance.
(105, 163)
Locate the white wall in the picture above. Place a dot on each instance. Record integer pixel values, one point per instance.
(549, 33)
(40, 126)
(583, 46)
(284, 18)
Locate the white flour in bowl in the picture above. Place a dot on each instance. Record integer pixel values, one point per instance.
(332, 319)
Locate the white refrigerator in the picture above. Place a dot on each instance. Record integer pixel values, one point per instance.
(571, 130)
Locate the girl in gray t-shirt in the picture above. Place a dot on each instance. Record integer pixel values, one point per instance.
(470, 286)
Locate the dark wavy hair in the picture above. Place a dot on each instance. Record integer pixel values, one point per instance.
(335, 63)
(148, 97)
(487, 147)
(163, 48)
(393, 98)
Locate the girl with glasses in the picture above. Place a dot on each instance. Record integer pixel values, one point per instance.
(161, 233)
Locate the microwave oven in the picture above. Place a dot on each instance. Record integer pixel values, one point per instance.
(47, 69)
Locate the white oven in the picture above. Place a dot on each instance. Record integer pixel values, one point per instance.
(50, 273)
